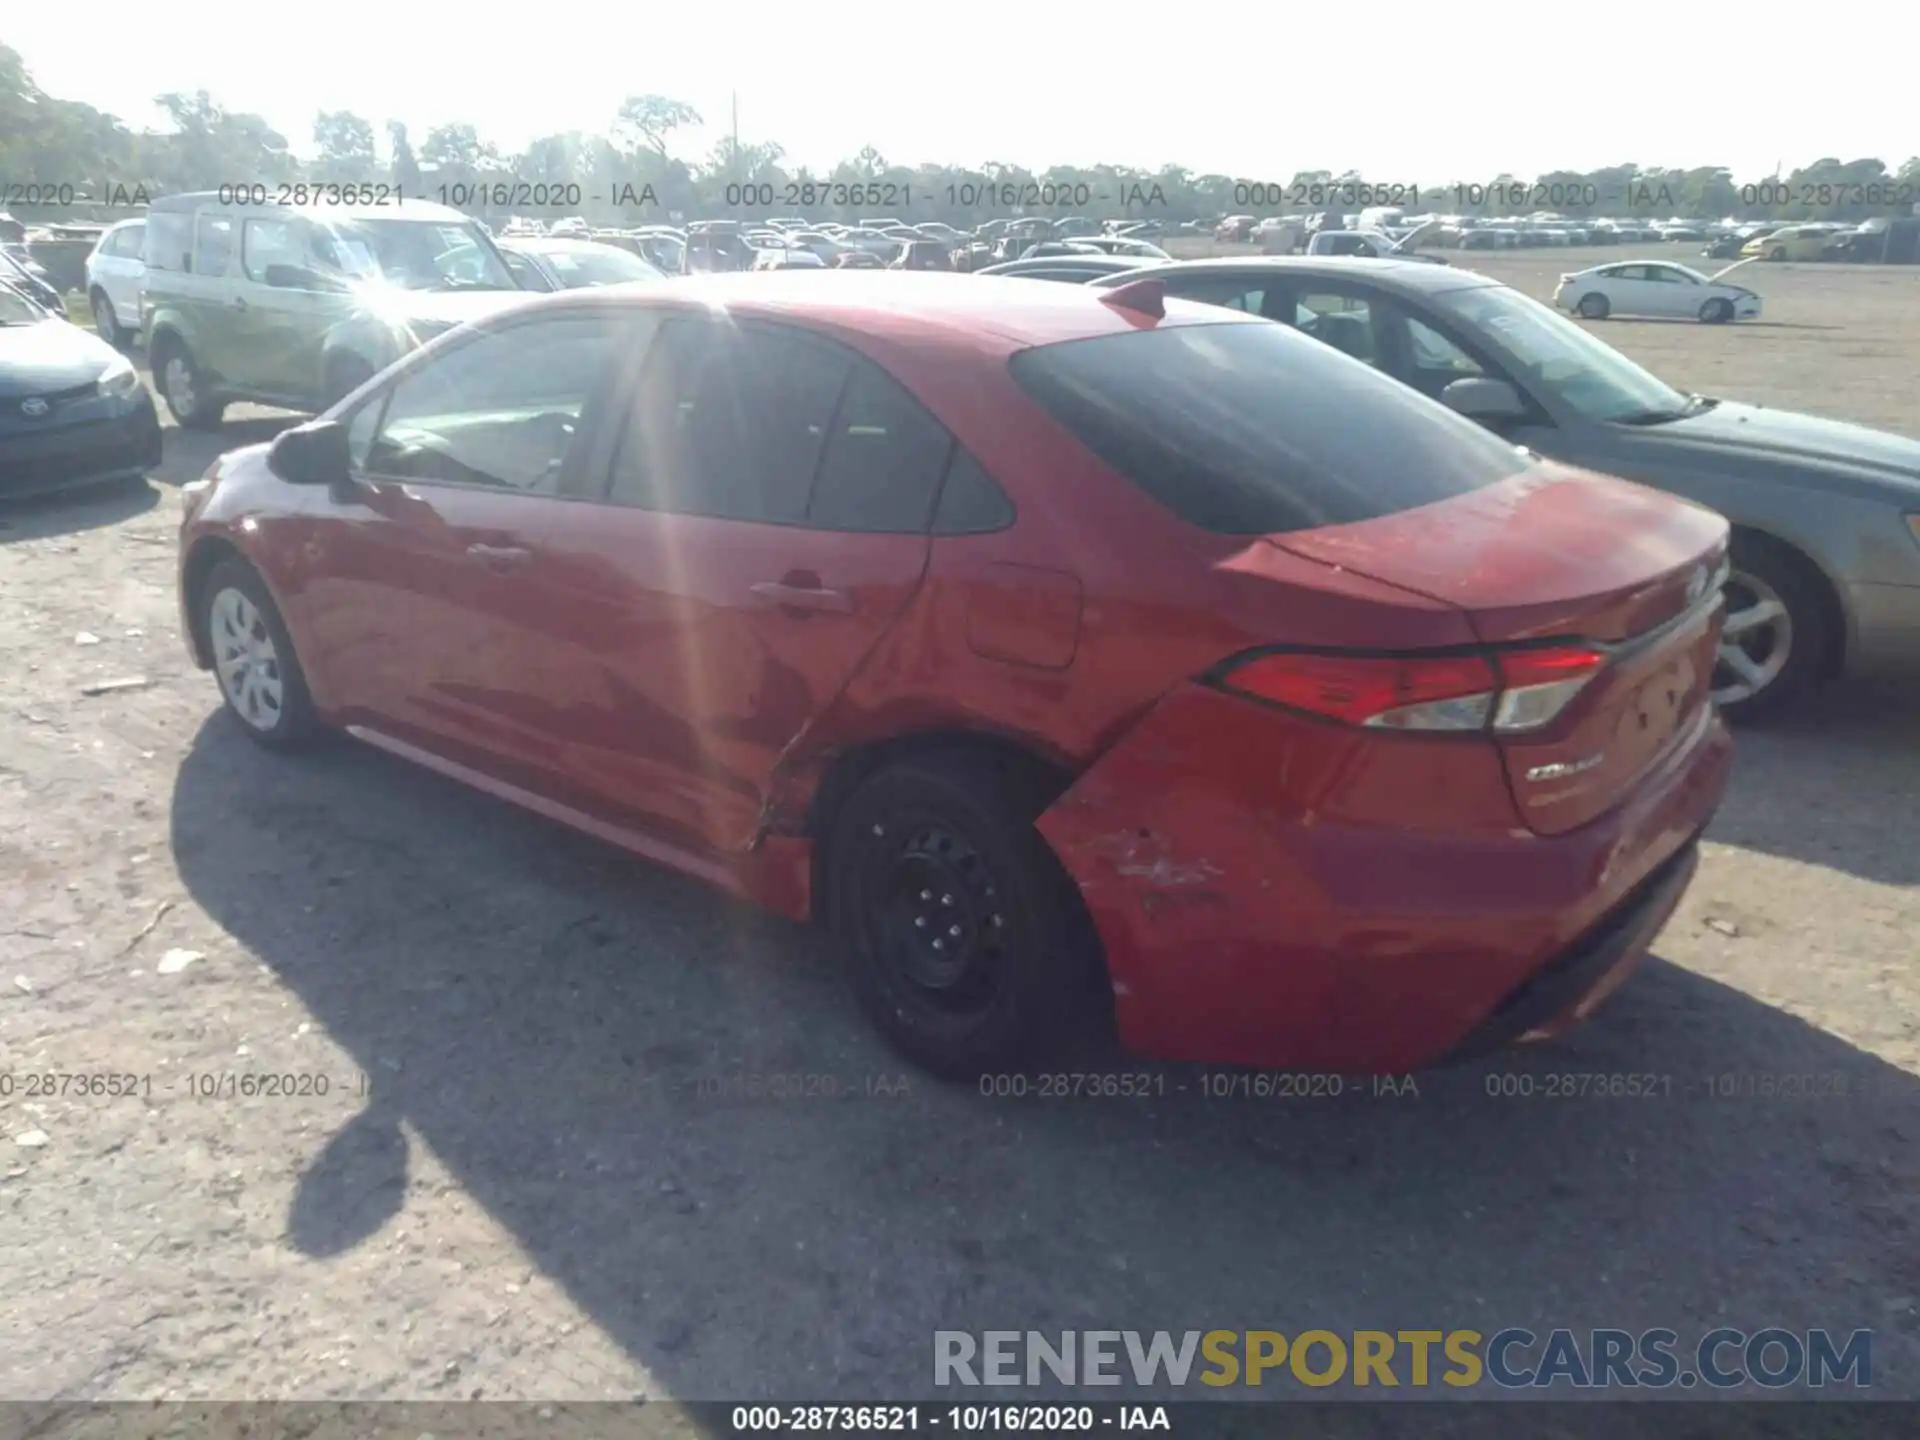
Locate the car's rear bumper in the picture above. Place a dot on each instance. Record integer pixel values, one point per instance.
(1569, 987)
(1238, 933)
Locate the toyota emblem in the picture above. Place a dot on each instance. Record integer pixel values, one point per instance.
(33, 409)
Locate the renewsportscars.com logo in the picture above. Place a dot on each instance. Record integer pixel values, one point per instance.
(1721, 1359)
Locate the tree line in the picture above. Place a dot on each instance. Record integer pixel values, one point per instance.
(66, 159)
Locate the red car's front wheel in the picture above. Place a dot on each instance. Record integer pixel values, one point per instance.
(965, 940)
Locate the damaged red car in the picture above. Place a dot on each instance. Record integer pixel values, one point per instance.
(1047, 643)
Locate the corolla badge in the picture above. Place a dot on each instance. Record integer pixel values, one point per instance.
(1565, 768)
(33, 408)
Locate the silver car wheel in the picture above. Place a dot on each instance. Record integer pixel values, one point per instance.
(245, 659)
(105, 321)
(1755, 643)
(179, 383)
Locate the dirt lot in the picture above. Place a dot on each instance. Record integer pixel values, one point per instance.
(519, 1183)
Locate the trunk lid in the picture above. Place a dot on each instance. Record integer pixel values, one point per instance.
(1720, 275)
(1558, 554)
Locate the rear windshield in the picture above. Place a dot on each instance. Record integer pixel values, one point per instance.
(1251, 429)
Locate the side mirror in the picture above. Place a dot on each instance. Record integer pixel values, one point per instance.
(312, 454)
(1489, 401)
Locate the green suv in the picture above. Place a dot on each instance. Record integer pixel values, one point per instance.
(298, 305)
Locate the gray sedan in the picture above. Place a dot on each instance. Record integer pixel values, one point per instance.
(1826, 515)
(543, 262)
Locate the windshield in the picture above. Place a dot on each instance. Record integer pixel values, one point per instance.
(1556, 355)
(413, 254)
(16, 309)
(604, 265)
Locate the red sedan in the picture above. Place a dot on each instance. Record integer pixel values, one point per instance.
(1040, 639)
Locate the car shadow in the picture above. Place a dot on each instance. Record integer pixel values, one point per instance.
(577, 1034)
(1853, 738)
(68, 512)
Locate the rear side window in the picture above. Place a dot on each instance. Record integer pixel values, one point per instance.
(728, 423)
(970, 503)
(883, 460)
(1248, 429)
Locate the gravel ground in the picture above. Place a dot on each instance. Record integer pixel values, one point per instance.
(529, 1176)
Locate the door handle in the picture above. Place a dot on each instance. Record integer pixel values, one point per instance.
(500, 557)
(239, 302)
(805, 599)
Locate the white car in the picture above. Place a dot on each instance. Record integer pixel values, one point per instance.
(116, 278)
(1657, 288)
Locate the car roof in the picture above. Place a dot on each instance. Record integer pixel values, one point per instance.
(556, 244)
(396, 210)
(1073, 260)
(915, 307)
(1390, 274)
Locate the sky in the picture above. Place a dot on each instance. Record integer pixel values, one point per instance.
(1399, 92)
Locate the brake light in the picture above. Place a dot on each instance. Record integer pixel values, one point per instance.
(1536, 685)
(1516, 690)
(1454, 692)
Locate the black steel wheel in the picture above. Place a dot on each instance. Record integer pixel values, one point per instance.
(964, 937)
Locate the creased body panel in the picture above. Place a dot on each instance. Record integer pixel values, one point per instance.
(1259, 904)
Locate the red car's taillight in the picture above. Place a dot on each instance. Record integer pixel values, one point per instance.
(1516, 690)
(1536, 685)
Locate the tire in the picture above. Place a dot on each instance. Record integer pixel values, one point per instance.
(254, 632)
(105, 322)
(344, 376)
(1776, 253)
(945, 841)
(190, 404)
(1595, 306)
(1767, 573)
(1716, 312)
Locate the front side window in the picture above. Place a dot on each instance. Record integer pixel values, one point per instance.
(503, 410)
(265, 242)
(1249, 429)
(1552, 354)
(1430, 350)
(167, 240)
(412, 254)
(212, 244)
